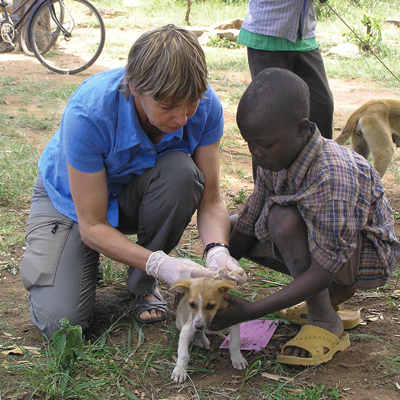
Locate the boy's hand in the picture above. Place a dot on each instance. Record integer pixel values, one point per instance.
(219, 260)
(236, 312)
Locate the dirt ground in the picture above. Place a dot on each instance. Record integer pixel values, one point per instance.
(358, 372)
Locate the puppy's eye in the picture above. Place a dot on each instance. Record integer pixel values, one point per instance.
(210, 306)
(192, 304)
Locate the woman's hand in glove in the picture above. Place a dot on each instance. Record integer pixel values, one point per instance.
(172, 269)
(219, 260)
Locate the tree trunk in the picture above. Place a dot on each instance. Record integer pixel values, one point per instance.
(189, 5)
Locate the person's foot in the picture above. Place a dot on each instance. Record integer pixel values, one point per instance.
(331, 323)
(152, 314)
(150, 308)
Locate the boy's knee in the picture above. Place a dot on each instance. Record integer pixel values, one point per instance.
(232, 221)
(283, 221)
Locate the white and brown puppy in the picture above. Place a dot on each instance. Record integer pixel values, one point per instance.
(203, 297)
(375, 128)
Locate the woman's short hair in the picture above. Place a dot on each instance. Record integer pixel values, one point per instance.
(168, 64)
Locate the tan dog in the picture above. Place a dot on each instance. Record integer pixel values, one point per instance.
(375, 128)
(202, 299)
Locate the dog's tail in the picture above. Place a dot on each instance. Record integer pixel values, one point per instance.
(349, 128)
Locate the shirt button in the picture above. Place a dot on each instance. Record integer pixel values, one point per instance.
(152, 152)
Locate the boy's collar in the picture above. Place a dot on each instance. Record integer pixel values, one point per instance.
(299, 167)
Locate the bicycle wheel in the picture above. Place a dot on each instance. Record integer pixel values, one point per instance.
(75, 49)
(46, 45)
(24, 41)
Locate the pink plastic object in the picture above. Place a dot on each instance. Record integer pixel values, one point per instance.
(254, 335)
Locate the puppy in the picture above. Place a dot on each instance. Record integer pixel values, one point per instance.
(203, 297)
(375, 128)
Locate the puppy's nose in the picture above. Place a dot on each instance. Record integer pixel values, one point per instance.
(199, 327)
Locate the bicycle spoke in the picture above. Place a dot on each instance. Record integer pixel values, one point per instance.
(77, 45)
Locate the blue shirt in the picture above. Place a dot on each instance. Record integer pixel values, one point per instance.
(100, 128)
(287, 19)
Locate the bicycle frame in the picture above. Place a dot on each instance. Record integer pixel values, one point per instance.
(20, 20)
(33, 6)
(55, 19)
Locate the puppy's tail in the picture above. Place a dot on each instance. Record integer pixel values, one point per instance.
(349, 128)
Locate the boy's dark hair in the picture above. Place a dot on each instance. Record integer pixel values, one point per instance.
(276, 91)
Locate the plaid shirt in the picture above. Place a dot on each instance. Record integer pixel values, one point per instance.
(338, 195)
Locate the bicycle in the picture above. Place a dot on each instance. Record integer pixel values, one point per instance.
(66, 36)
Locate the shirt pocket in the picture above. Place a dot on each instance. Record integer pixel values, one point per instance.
(45, 240)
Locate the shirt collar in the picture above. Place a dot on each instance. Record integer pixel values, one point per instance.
(299, 167)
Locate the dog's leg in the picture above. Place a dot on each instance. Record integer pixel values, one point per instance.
(383, 150)
(377, 136)
(179, 374)
(359, 144)
(238, 361)
(200, 340)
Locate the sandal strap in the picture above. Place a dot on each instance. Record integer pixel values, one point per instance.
(141, 305)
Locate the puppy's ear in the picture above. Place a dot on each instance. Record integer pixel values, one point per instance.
(226, 286)
(181, 286)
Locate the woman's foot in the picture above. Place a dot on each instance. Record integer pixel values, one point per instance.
(154, 313)
(150, 308)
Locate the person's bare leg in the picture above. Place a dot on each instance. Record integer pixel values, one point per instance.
(287, 226)
(339, 293)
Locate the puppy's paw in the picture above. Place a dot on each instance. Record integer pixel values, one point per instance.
(238, 275)
(202, 342)
(238, 361)
(178, 375)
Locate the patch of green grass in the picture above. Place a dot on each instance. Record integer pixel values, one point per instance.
(240, 198)
(18, 165)
(224, 59)
(68, 368)
(113, 275)
(216, 41)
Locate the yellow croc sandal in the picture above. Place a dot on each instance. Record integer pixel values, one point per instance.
(298, 315)
(313, 339)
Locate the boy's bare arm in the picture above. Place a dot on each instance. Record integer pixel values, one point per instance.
(240, 244)
(306, 285)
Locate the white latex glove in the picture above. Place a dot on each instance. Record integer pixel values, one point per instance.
(219, 259)
(172, 269)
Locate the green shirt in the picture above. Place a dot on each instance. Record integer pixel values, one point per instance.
(263, 42)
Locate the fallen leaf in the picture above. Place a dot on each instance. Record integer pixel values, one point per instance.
(276, 378)
(16, 351)
(19, 351)
(14, 395)
(395, 294)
